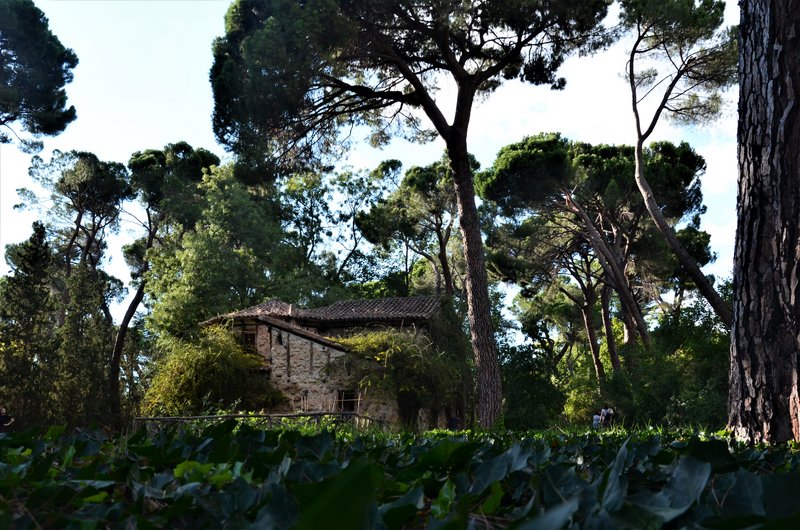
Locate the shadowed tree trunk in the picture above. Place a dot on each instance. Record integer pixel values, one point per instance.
(763, 403)
(611, 341)
(613, 271)
(489, 384)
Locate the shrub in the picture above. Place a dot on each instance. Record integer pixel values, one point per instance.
(406, 365)
(210, 371)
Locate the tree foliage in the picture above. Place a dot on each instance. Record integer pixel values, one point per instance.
(289, 75)
(419, 215)
(34, 68)
(309, 67)
(680, 60)
(583, 230)
(219, 265)
(27, 330)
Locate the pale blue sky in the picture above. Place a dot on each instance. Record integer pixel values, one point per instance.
(142, 82)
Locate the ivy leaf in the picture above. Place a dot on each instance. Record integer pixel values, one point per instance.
(499, 468)
(441, 506)
(738, 494)
(192, 471)
(687, 481)
(493, 502)
(342, 502)
(553, 519)
(713, 451)
(280, 512)
(782, 494)
(616, 485)
(398, 512)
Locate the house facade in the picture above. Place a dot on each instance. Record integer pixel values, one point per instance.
(307, 366)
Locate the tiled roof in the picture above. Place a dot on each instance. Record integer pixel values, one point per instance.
(383, 309)
(345, 311)
(300, 332)
(272, 307)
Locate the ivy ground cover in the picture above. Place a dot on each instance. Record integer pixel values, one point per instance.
(235, 476)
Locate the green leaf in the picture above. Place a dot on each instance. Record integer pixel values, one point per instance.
(54, 432)
(400, 511)
(280, 512)
(493, 502)
(553, 519)
(715, 452)
(68, 456)
(737, 494)
(616, 485)
(100, 496)
(343, 502)
(782, 494)
(499, 468)
(220, 477)
(687, 481)
(441, 506)
(192, 471)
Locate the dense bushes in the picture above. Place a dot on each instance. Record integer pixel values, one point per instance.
(235, 476)
(210, 371)
(532, 401)
(681, 379)
(406, 365)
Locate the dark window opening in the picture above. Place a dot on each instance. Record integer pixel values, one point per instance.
(248, 339)
(346, 400)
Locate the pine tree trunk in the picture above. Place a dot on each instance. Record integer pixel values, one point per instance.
(686, 260)
(489, 384)
(594, 346)
(611, 341)
(763, 403)
(614, 272)
(444, 262)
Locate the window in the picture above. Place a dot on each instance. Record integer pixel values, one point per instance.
(346, 400)
(248, 339)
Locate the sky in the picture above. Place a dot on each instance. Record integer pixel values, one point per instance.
(142, 82)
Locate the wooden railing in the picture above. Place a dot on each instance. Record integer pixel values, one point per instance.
(268, 421)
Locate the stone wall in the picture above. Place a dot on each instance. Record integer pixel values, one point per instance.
(299, 369)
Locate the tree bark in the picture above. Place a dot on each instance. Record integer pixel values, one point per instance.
(443, 237)
(722, 310)
(612, 269)
(489, 391)
(594, 346)
(700, 280)
(122, 332)
(763, 402)
(611, 341)
(489, 384)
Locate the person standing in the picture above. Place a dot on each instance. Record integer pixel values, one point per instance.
(5, 420)
(604, 416)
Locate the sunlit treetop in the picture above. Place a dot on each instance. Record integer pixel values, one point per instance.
(288, 70)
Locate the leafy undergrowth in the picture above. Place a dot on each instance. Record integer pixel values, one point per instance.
(236, 476)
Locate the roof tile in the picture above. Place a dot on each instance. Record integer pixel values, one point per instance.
(417, 307)
(355, 311)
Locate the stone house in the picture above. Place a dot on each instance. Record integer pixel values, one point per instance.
(297, 349)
